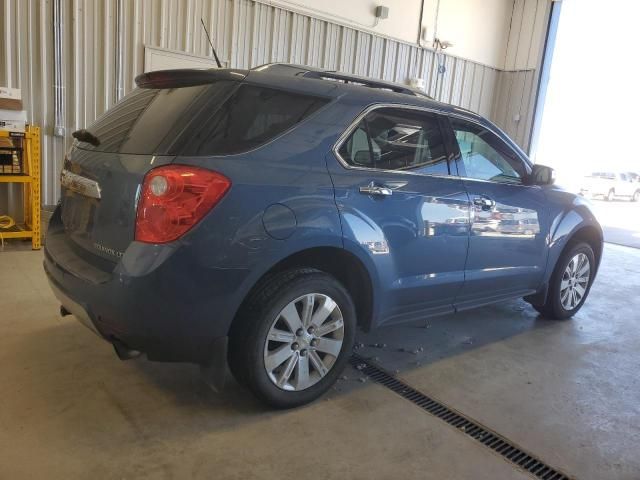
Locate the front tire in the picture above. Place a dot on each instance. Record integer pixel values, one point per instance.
(570, 283)
(293, 337)
(636, 196)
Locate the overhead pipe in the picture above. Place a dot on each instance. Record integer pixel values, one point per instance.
(119, 67)
(58, 70)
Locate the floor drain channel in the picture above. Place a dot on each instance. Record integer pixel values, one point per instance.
(514, 454)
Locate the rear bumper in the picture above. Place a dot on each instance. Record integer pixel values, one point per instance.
(157, 300)
(73, 307)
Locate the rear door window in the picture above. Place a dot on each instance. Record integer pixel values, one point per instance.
(219, 118)
(397, 139)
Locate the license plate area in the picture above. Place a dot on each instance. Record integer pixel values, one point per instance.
(78, 213)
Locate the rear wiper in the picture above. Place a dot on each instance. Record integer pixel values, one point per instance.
(86, 136)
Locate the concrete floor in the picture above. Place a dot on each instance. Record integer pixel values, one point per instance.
(620, 221)
(566, 391)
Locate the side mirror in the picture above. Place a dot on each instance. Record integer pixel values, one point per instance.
(542, 175)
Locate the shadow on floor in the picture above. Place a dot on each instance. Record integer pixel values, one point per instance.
(397, 349)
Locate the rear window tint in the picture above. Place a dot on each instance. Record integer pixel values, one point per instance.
(249, 118)
(214, 119)
(149, 120)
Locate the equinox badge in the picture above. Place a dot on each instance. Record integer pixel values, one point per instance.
(109, 251)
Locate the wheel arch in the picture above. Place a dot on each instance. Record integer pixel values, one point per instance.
(590, 235)
(573, 220)
(345, 266)
(586, 231)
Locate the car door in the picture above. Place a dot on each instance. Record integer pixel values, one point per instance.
(402, 210)
(509, 221)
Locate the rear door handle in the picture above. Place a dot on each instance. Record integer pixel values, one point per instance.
(373, 189)
(484, 202)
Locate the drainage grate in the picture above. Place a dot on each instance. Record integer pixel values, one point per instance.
(514, 454)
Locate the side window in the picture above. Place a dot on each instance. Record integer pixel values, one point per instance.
(397, 139)
(485, 156)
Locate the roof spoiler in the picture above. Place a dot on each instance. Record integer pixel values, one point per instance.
(188, 77)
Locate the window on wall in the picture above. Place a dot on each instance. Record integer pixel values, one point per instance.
(486, 157)
(397, 139)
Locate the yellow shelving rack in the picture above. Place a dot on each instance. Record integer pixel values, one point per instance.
(30, 179)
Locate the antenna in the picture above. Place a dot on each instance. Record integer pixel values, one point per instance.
(215, 55)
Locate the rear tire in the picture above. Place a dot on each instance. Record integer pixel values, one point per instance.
(293, 337)
(636, 196)
(611, 196)
(570, 283)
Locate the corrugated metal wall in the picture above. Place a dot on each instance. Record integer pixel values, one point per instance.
(246, 33)
(515, 95)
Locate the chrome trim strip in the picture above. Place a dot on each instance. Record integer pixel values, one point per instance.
(479, 180)
(79, 184)
(496, 132)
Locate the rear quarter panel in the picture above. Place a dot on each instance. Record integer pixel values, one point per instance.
(236, 243)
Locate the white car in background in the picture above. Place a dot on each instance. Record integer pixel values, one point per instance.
(611, 185)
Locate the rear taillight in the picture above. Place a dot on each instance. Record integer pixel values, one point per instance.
(174, 198)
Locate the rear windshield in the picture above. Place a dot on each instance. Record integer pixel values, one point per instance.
(220, 118)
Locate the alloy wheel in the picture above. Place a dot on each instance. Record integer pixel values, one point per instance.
(575, 281)
(304, 342)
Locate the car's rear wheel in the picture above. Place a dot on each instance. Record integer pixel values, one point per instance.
(570, 283)
(636, 196)
(611, 195)
(293, 337)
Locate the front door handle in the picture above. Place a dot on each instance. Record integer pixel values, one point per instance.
(484, 202)
(373, 189)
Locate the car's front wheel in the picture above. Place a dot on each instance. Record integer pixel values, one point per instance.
(636, 196)
(570, 283)
(293, 337)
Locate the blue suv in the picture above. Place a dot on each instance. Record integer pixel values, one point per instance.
(258, 218)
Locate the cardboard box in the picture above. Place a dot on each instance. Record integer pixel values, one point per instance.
(10, 93)
(11, 155)
(10, 104)
(13, 120)
(13, 125)
(10, 161)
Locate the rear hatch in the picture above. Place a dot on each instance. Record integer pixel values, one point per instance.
(105, 168)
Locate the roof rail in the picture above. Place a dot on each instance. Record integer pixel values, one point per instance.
(365, 82)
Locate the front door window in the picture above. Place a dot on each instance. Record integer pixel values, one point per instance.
(484, 156)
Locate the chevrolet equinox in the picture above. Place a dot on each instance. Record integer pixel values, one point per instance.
(257, 218)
